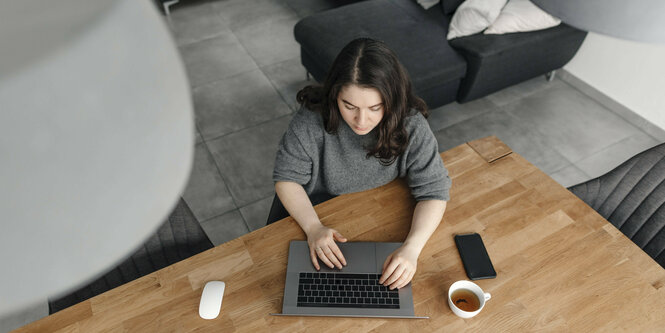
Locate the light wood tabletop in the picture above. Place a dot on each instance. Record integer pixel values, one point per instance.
(560, 266)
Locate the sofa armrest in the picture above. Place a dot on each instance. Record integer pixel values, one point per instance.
(498, 61)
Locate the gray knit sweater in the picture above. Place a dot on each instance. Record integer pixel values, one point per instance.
(337, 164)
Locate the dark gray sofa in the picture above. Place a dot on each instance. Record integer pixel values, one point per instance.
(463, 69)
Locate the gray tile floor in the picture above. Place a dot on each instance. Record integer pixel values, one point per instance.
(244, 70)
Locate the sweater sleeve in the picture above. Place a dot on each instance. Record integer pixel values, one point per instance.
(425, 173)
(292, 162)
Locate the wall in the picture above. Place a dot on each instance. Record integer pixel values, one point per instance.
(631, 73)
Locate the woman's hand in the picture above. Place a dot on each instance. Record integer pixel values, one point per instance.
(399, 267)
(322, 244)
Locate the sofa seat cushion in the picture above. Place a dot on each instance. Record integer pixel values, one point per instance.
(418, 37)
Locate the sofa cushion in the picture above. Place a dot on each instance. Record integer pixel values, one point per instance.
(418, 37)
(474, 16)
(521, 16)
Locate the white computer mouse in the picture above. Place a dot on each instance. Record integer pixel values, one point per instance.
(211, 299)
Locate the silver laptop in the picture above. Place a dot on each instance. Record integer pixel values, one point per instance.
(353, 291)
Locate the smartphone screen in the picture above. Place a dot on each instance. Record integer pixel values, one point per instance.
(474, 256)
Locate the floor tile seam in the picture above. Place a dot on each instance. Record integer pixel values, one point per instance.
(250, 54)
(208, 220)
(534, 130)
(271, 20)
(248, 127)
(251, 203)
(169, 21)
(463, 120)
(227, 77)
(611, 109)
(204, 39)
(224, 179)
(608, 148)
(277, 90)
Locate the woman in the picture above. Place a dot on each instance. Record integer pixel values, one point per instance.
(382, 135)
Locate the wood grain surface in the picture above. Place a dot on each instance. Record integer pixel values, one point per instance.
(560, 266)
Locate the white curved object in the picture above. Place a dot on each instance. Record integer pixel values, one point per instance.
(96, 142)
(211, 299)
(637, 20)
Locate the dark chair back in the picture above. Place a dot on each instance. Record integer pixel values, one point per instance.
(180, 237)
(632, 198)
(278, 212)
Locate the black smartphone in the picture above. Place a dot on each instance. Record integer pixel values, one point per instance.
(474, 256)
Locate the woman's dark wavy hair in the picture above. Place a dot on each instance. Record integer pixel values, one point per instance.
(369, 64)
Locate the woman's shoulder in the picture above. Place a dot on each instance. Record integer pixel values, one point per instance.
(416, 124)
(306, 122)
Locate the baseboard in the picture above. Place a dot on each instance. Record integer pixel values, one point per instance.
(614, 106)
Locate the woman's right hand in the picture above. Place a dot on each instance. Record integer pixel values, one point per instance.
(322, 245)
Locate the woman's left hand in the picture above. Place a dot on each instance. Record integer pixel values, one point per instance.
(399, 267)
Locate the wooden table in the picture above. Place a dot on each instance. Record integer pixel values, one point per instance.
(560, 265)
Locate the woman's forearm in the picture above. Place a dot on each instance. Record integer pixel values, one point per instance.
(426, 218)
(297, 203)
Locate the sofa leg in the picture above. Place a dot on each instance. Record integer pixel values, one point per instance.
(167, 7)
(550, 76)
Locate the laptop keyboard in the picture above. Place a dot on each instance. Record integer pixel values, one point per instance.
(344, 290)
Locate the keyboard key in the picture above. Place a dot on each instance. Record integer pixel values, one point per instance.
(333, 287)
(311, 299)
(306, 281)
(317, 281)
(374, 300)
(302, 299)
(335, 293)
(307, 286)
(389, 301)
(339, 300)
(347, 300)
(368, 300)
(318, 300)
(324, 299)
(354, 288)
(314, 293)
(353, 300)
(301, 293)
(309, 275)
(308, 293)
(382, 301)
(393, 294)
(384, 294)
(347, 288)
(326, 287)
(363, 294)
(303, 275)
(320, 287)
(356, 294)
(329, 293)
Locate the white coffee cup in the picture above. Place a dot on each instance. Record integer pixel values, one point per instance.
(468, 285)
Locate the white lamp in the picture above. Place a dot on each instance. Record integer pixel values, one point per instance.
(96, 139)
(637, 20)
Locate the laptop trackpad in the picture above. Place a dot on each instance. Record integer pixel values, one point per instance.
(361, 257)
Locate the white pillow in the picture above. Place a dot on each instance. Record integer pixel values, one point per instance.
(427, 4)
(521, 16)
(473, 16)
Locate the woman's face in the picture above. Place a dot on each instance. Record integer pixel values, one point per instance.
(362, 108)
